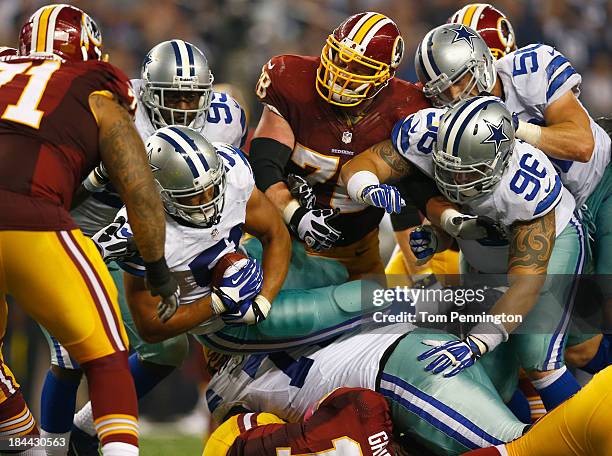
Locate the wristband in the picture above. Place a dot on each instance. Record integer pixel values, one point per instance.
(358, 182)
(216, 304)
(491, 334)
(529, 132)
(93, 183)
(290, 210)
(264, 304)
(446, 221)
(157, 271)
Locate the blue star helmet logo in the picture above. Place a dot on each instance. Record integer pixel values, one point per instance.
(462, 33)
(497, 135)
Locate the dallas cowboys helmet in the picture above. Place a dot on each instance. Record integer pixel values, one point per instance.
(446, 54)
(185, 165)
(173, 68)
(473, 147)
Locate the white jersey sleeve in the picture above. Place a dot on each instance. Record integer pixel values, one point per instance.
(414, 137)
(535, 76)
(287, 383)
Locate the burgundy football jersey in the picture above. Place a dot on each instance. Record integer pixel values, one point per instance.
(49, 136)
(325, 137)
(350, 421)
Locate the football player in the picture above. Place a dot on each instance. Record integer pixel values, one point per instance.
(446, 415)
(64, 112)
(348, 421)
(516, 186)
(319, 112)
(579, 426)
(209, 197)
(175, 86)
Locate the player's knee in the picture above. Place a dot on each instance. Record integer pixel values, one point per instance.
(66, 375)
(171, 352)
(579, 355)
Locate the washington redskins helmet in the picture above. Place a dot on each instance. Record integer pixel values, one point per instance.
(61, 30)
(492, 25)
(358, 59)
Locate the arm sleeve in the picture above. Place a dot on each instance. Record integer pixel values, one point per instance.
(409, 215)
(419, 188)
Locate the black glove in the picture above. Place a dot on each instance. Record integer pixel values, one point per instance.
(301, 190)
(160, 282)
(312, 226)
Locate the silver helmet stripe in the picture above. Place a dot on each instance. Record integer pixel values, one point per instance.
(182, 59)
(460, 120)
(185, 149)
(426, 58)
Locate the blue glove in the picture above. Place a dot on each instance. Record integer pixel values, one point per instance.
(454, 354)
(423, 243)
(241, 286)
(384, 196)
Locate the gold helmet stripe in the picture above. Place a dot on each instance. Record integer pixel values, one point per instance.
(469, 13)
(367, 26)
(40, 25)
(51, 28)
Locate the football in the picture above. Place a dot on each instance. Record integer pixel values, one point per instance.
(227, 265)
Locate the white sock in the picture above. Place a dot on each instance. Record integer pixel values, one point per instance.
(83, 419)
(59, 450)
(119, 449)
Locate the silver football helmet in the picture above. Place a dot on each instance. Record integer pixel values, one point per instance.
(473, 147)
(447, 54)
(189, 173)
(172, 71)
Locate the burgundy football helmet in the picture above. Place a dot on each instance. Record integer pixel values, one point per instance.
(492, 25)
(359, 58)
(61, 30)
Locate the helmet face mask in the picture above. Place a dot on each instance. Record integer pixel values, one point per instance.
(189, 173)
(358, 59)
(174, 73)
(474, 144)
(445, 56)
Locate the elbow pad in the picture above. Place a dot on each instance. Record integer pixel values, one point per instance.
(268, 158)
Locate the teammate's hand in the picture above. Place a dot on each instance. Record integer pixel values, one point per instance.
(384, 196)
(237, 288)
(453, 356)
(423, 243)
(160, 282)
(248, 312)
(97, 179)
(312, 227)
(301, 190)
(115, 241)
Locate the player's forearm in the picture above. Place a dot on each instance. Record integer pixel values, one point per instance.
(564, 141)
(435, 207)
(519, 299)
(279, 195)
(276, 255)
(125, 159)
(188, 316)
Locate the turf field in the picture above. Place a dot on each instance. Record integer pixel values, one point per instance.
(167, 444)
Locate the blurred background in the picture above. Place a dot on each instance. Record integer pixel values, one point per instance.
(238, 37)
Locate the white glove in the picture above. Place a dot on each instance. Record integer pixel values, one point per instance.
(312, 226)
(115, 241)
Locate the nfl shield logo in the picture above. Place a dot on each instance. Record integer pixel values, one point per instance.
(347, 137)
(215, 233)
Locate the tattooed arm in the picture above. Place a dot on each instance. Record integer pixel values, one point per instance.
(531, 245)
(381, 159)
(124, 156)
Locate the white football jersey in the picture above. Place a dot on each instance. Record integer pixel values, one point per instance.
(287, 383)
(192, 252)
(225, 123)
(529, 188)
(535, 76)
